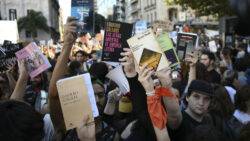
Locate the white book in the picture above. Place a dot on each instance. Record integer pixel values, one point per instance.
(146, 50)
(77, 99)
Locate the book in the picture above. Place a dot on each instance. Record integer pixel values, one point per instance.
(212, 46)
(115, 39)
(36, 62)
(83, 11)
(146, 49)
(167, 47)
(186, 44)
(77, 99)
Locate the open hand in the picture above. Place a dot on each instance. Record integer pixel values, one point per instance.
(191, 59)
(146, 79)
(86, 132)
(128, 62)
(22, 68)
(164, 75)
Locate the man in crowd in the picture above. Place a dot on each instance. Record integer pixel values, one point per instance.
(208, 59)
(198, 100)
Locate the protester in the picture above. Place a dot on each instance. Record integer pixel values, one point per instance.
(82, 58)
(241, 115)
(198, 100)
(208, 59)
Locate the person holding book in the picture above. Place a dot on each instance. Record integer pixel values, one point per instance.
(145, 98)
(61, 69)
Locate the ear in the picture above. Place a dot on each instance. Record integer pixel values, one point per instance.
(187, 98)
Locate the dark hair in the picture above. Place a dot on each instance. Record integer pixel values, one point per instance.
(221, 103)
(226, 52)
(200, 71)
(210, 55)
(74, 68)
(82, 34)
(19, 121)
(99, 70)
(228, 77)
(245, 132)
(242, 96)
(83, 53)
(206, 133)
(242, 64)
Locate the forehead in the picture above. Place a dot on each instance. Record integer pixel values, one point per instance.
(79, 54)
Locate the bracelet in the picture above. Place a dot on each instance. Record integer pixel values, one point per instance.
(150, 93)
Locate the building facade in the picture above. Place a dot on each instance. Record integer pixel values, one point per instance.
(157, 13)
(15, 9)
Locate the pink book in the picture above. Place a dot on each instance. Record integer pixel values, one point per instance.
(36, 61)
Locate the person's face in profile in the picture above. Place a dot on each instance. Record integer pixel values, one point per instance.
(99, 95)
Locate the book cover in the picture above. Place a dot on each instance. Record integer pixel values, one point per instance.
(36, 61)
(167, 47)
(77, 99)
(144, 44)
(115, 39)
(83, 11)
(151, 58)
(186, 43)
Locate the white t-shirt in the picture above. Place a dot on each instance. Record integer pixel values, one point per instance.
(48, 128)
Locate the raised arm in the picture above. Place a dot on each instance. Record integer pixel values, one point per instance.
(155, 108)
(192, 60)
(21, 84)
(59, 71)
(12, 81)
(174, 116)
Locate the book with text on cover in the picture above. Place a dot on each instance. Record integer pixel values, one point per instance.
(115, 39)
(36, 61)
(146, 49)
(167, 47)
(186, 44)
(77, 99)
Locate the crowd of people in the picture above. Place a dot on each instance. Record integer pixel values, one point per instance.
(208, 99)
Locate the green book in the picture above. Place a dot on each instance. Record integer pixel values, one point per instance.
(168, 49)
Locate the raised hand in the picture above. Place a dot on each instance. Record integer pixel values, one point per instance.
(86, 132)
(164, 75)
(146, 79)
(128, 62)
(191, 59)
(70, 33)
(22, 69)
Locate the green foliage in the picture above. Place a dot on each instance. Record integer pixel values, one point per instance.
(32, 22)
(205, 7)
